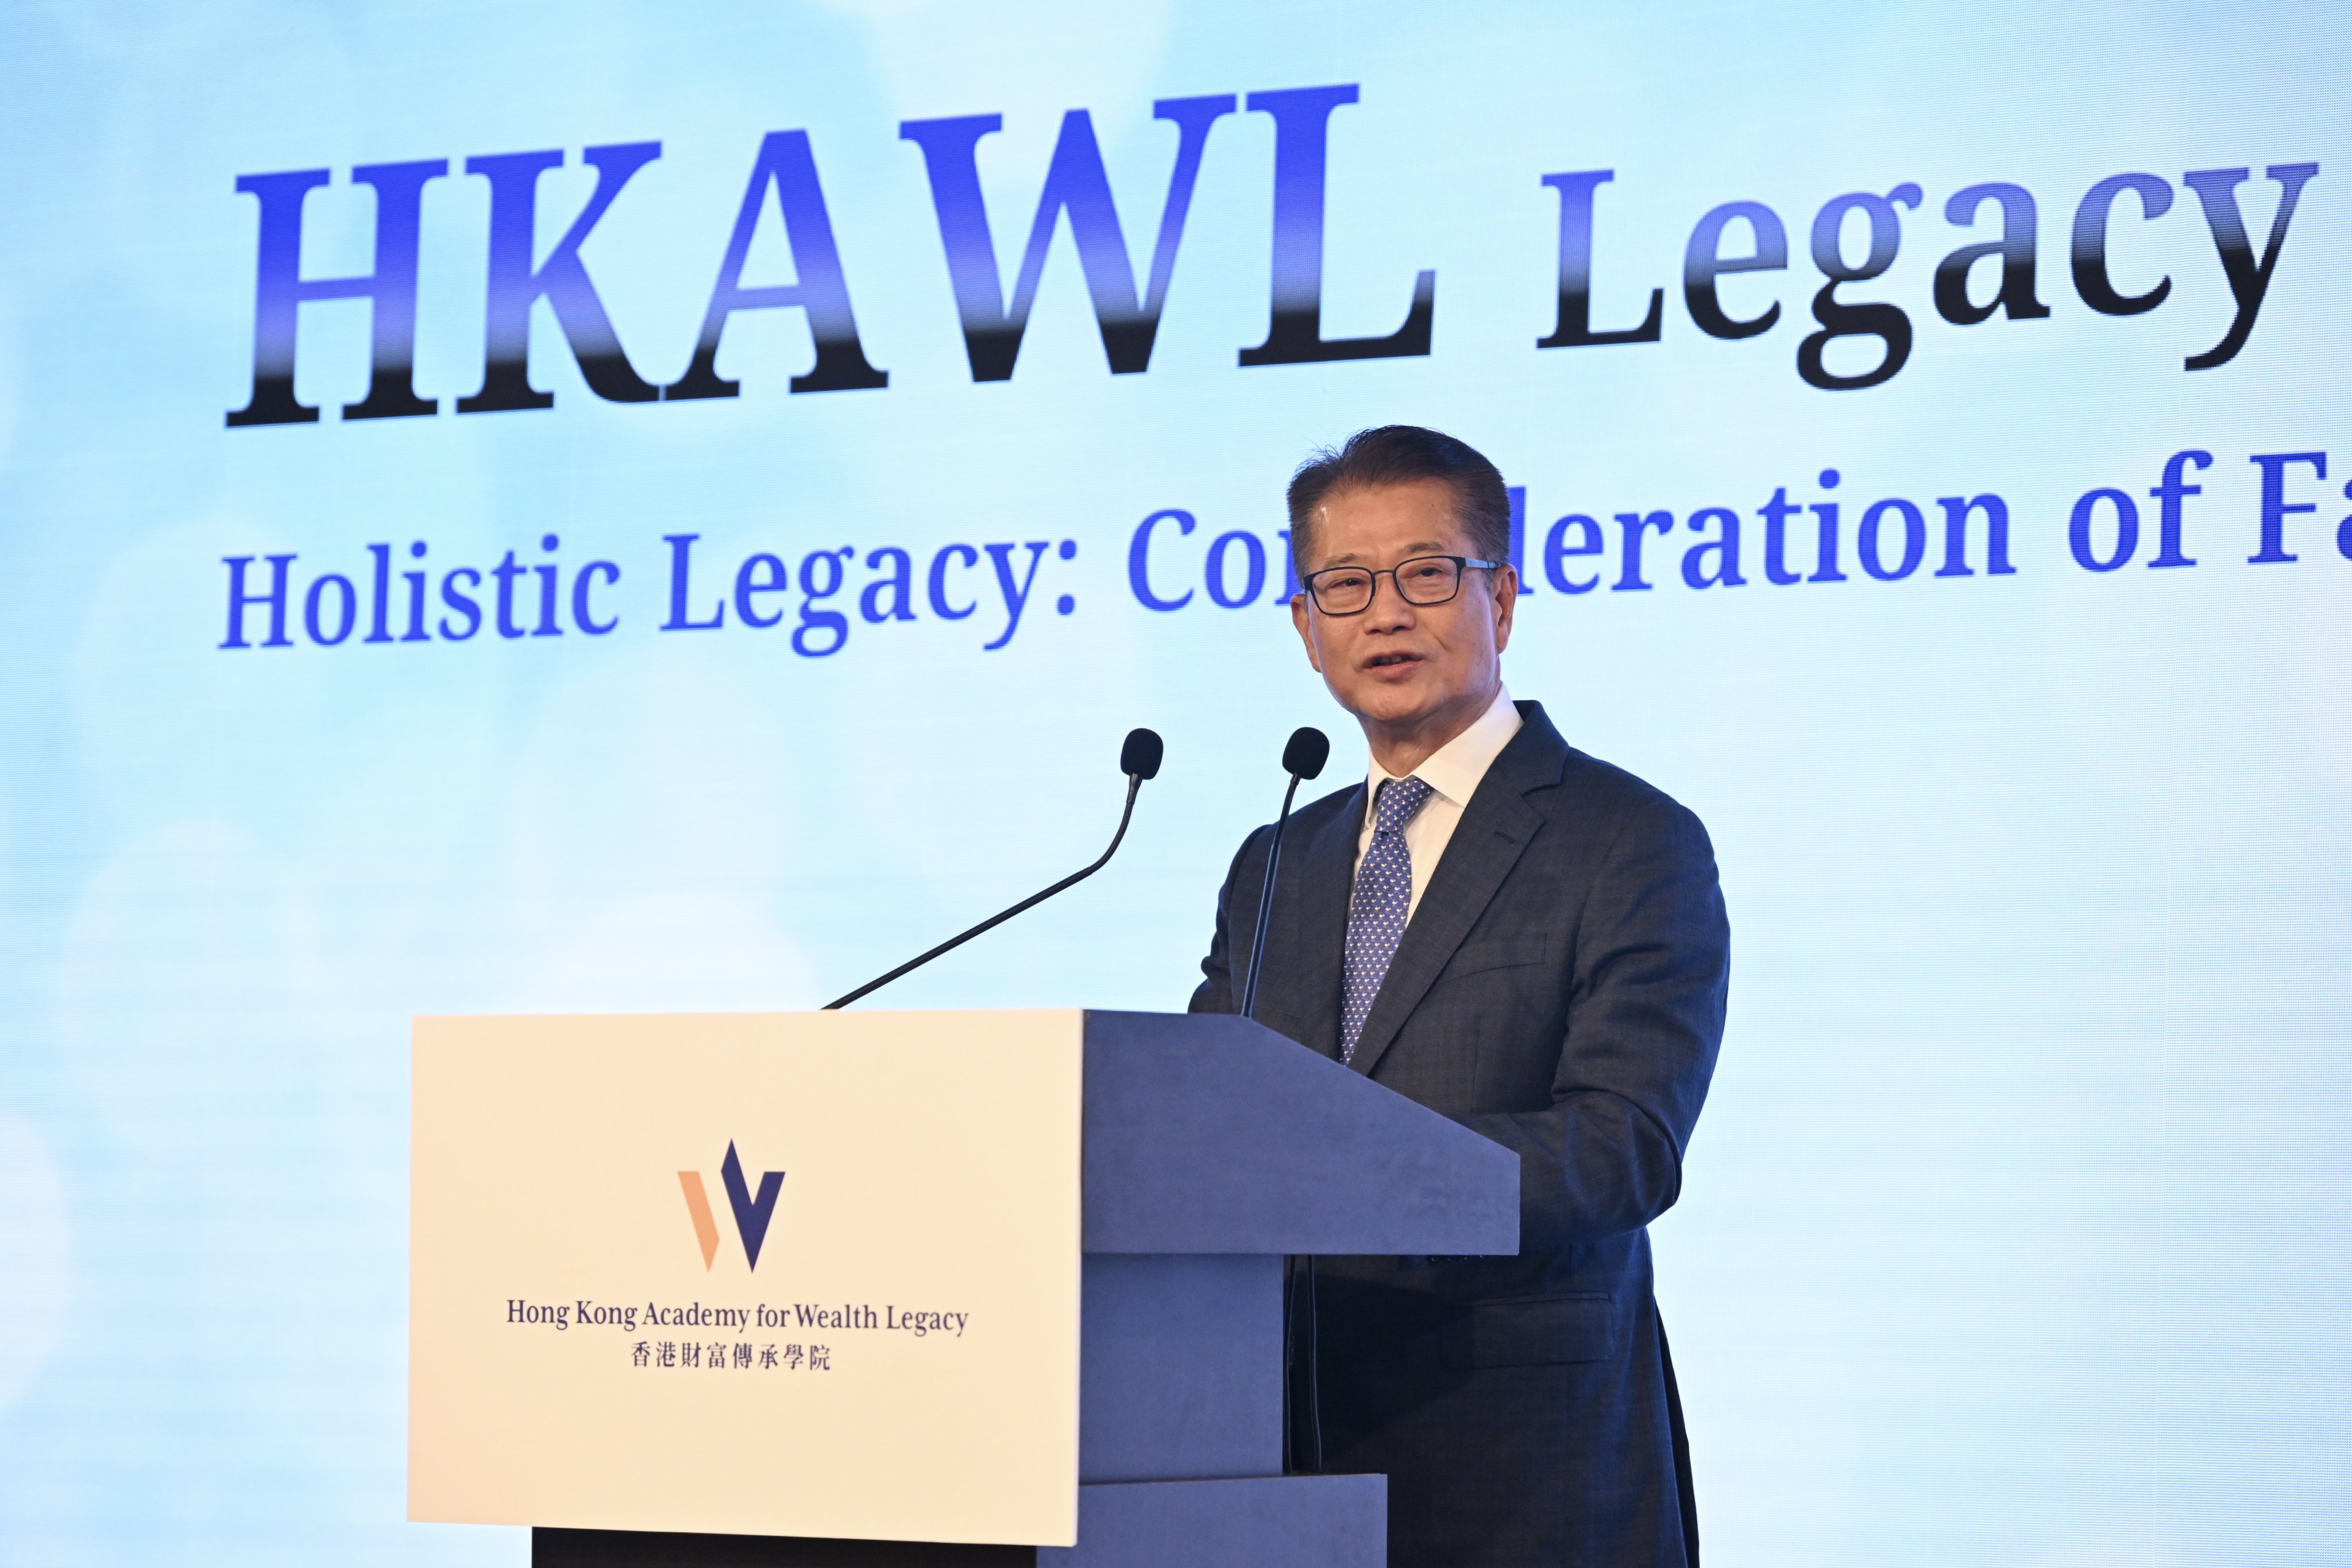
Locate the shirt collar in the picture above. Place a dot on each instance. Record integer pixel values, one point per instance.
(1455, 769)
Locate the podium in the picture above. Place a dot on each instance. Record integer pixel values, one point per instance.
(1208, 1149)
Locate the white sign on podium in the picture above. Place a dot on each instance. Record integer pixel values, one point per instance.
(799, 1274)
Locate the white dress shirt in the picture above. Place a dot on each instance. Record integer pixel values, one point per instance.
(1451, 773)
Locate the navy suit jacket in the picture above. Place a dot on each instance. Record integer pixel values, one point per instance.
(1560, 989)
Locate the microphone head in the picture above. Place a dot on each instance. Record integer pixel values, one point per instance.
(1308, 750)
(1139, 757)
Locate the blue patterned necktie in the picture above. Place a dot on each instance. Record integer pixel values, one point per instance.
(1383, 900)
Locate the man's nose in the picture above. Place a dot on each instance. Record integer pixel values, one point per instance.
(1388, 607)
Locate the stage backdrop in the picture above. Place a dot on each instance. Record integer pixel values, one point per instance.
(581, 508)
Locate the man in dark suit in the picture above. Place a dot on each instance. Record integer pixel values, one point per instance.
(1532, 943)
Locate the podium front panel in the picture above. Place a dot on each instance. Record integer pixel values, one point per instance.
(805, 1275)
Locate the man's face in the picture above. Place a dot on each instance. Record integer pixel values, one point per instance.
(1404, 668)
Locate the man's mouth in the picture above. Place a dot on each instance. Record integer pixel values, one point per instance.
(1388, 660)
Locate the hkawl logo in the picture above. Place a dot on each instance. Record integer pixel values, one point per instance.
(751, 1214)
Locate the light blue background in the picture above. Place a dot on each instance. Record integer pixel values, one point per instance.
(2015, 1231)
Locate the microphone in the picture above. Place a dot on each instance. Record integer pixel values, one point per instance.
(1139, 759)
(1303, 758)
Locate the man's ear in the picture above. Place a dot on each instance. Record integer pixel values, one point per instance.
(1506, 598)
(1298, 619)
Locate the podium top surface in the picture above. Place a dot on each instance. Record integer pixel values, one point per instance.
(1213, 1134)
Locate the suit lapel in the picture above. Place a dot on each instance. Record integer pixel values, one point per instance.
(1326, 873)
(1495, 830)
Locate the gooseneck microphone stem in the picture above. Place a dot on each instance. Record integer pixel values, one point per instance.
(1134, 783)
(1266, 903)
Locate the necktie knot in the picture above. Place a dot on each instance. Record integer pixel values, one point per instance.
(1396, 803)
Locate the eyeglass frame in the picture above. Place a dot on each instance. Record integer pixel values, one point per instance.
(1461, 564)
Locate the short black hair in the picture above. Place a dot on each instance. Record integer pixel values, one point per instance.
(1399, 454)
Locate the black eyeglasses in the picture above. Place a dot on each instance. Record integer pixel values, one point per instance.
(1424, 580)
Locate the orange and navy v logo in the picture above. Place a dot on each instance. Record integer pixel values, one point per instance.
(751, 1214)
